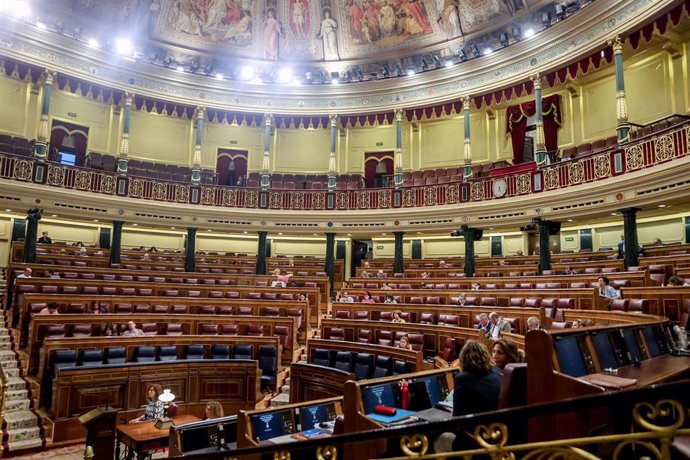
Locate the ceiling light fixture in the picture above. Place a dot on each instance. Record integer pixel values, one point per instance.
(123, 46)
(93, 43)
(528, 33)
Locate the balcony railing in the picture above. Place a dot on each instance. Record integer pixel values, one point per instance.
(642, 153)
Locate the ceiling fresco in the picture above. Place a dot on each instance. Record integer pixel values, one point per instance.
(286, 30)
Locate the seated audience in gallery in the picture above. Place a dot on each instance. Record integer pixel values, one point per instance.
(397, 317)
(533, 323)
(498, 326)
(51, 309)
(676, 281)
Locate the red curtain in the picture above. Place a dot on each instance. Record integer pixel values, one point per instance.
(238, 157)
(59, 131)
(371, 161)
(517, 124)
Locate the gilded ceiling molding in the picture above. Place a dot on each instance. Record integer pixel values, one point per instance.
(578, 36)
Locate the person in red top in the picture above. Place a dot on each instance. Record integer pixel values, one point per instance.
(280, 278)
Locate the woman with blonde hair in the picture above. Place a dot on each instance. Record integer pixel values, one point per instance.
(213, 409)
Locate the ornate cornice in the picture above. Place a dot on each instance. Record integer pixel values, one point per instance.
(551, 48)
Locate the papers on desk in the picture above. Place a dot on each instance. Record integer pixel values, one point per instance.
(400, 414)
(609, 381)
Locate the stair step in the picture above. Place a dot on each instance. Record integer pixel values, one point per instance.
(18, 420)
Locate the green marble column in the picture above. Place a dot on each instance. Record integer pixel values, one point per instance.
(43, 135)
(397, 158)
(398, 265)
(266, 162)
(190, 253)
(116, 244)
(261, 254)
(622, 127)
(332, 170)
(196, 158)
(467, 169)
(330, 259)
(541, 139)
(632, 246)
(123, 158)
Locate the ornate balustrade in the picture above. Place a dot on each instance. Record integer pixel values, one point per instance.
(640, 154)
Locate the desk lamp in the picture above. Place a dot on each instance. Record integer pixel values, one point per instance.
(164, 422)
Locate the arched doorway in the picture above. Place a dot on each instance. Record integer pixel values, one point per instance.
(231, 167)
(378, 168)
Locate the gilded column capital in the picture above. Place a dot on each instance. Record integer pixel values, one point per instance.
(617, 44)
(398, 113)
(129, 98)
(268, 119)
(466, 102)
(200, 112)
(333, 117)
(49, 76)
(536, 80)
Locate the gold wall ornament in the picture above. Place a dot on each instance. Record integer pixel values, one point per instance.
(108, 184)
(341, 200)
(208, 195)
(296, 200)
(430, 196)
(651, 452)
(42, 136)
(634, 157)
(82, 180)
(251, 200)
(664, 148)
(541, 138)
(362, 200)
(384, 197)
(159, 191)
(616, 43)
(409, 198)
(333, 117)
(281, 455)
(452, 194)
(492, 436)
(181, 193)
(124, 145)
(650, 416)
(576, 172)
(621, 106)
(136, 188)
(398, 160)
(415, 445)
(275, 200)
(524, 184)
(318, 200)
(196, 159)
(602, 166)
(229, 197)
(56, 175)
(477, 191)
(551, 178)
(398, 114)
(266, 162)
(467, 151)
(327, 453)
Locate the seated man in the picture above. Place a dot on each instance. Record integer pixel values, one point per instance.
(498, 326)
(533, 323)
(45, 239)
(132, 330)
(484, 323)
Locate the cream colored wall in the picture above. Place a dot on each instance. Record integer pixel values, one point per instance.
(385, 248)
(574, 244)
(293, 247)
(5, 237)
(361, 140)
(70, 232)
(160, 138)
(514, 242)
(133, 237)
(441, 143)
(15, 95)
(454, 247)
(301, 151)
(97, 116)
(217, 136)
(214, 242)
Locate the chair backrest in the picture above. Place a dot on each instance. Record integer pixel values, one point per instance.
(513, 386)
(321, 357)
(242, 351)
(640, 306)
(167, 353)
(416, 341)
(364, 365)
(194, 351)
(145, 354)
(64, 358)
(268, 360)
(255, 330)
(115, 355)
(343, 361)
(619, 304)
(399, 367)
(220, 351)
(364, 336)
(91, 357)
(383, 367)
(427, 318)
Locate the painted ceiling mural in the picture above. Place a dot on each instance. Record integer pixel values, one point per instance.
(300, 30)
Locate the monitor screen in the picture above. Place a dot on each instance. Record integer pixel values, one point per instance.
(605, 351)
(436, 387)
(230, 430)
(310, 416)
(652, 343)
(205, 434)
(68, 158)
(270, 425)
(570, 356)
(631, 344)
(378, 395)
(192, 440)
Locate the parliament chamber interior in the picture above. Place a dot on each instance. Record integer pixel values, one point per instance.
(344, 229)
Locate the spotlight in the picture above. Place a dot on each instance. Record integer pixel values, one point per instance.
(76, 33)
(504, 39)
(123, 46)
(462, 55)
(93, 43)
(437, 61)
(322, 77)
(59, 27)
(41, 25)
(424, 65)
(18, 9)
(308, 76)
(360, 75)
(411, 71)
(449, 63)
(546, 19)
(285, 76)
(515, 31)
(195, 65)
(167, 62)
(347, 78)
(528, 33)
(398, 69)
(385, 72)
(560, 11)
(247, 72)
(219, 76)
(335, 77)
(488, 51)
(475, 51)
(179, 68)
(208, 68)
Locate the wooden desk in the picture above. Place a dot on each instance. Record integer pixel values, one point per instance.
(139, 438)
(660, 369)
